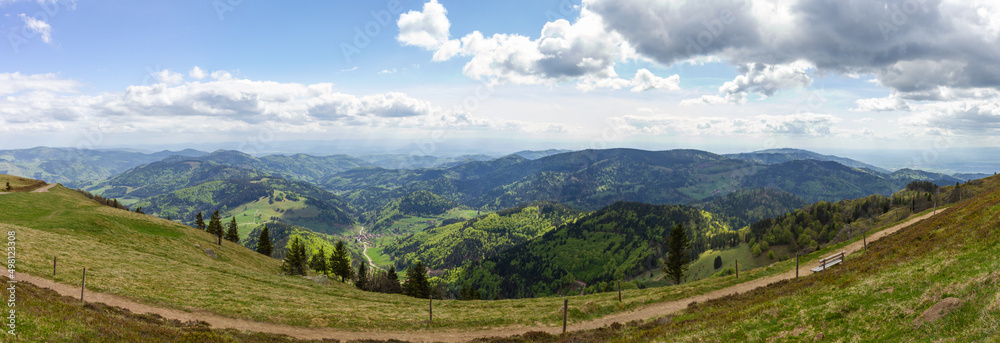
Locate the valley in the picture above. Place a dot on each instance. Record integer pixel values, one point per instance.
(520, 261)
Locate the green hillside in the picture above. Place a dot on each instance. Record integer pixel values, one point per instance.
(449, 246)
(894, 292)
(614, 243)
(256, 200)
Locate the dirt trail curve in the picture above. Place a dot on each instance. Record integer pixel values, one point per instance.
(654, 310)
(45, 188)
(42, 189)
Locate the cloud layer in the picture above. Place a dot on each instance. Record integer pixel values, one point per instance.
(225, 103)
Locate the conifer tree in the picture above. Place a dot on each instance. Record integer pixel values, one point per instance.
(676, 263)
(233, 232)
(361, 281)
(318, 262)
(215, 226)
(8, 186)
(295, 258)
(264, 242)
(393, 281)
(199, 222)
(416, 281)
(340, 262)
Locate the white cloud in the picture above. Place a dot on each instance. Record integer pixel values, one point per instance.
(38, 26)
(427, 29)
(169, 77)
(582, 51)
(760, 79)
(803, 124)
(197, 73)
(227, 103)
(388, 71)
(891, 103)
(11, 83)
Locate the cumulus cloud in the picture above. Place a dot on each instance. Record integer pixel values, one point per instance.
(761, 79)
(197, 73)
(582, 51)
(226, 103)
(910, 45)
(169, 77)
(38, 26)
(427, 29)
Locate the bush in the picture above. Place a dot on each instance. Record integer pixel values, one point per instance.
(725, 272)
(755, 250)
(718, 262)
(770, 254)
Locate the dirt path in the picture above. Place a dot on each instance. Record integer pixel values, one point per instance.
(45, 188)
(651, 311)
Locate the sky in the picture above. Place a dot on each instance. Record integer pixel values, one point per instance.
(441, 76)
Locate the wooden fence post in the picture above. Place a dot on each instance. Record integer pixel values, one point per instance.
(430, 310)
(54, 265)
(796, 266)
(864, 239)
(83, 285)
(737, 269)
(565, 311)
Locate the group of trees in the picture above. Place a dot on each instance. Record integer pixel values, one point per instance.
(338, 264)
(230, 233)
(99, 199)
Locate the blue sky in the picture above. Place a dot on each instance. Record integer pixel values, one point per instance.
(724, 76)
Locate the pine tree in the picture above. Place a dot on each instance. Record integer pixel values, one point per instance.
(295, 258)
(264, 242)
(199, 221)
(393, 281)
(8, 186)
(215, 226)
(340, 262)
(361, 281)
(318, 262)
(233, 233)
(416, 281)
(676, 263)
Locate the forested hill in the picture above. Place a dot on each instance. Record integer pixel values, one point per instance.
(588, 179)
(616, 242)
(779, 156)
(230, 196)
(450, 245)
(823, 181)
(742, 207)
(419, 203)
(75, 167)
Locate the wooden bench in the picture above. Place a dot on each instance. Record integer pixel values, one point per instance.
(829, 261)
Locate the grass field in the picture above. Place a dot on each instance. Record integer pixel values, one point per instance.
(156, 262)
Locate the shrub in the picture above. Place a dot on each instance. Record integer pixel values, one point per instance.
(718, 262)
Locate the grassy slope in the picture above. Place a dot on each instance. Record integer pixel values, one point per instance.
(155, 261)
(874, 296)
(45, 316)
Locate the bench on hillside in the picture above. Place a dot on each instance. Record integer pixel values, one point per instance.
(829, 261)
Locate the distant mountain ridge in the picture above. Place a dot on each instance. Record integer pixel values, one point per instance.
(73, 167)
(778, 156)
